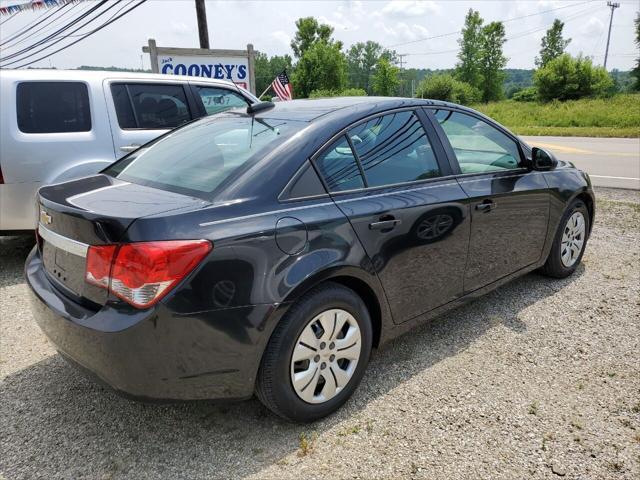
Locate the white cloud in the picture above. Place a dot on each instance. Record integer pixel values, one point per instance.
(180, 29)
(409, 8)
(593, 27)
(282, 37)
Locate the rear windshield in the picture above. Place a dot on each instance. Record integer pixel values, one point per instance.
(200, 157)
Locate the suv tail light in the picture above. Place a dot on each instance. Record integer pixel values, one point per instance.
(142, 273)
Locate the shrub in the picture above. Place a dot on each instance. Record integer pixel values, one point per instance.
(568, 78)
(349, 92)
(445, 87)
(529, 94)
(353, 92)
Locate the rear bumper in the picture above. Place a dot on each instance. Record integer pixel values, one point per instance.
(155, 354)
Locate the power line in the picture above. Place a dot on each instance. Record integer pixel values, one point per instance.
(8, 18)
(503, 21)
(46, 27)
(104, 25)
(512, 37)
(51, 39)
(28, 28)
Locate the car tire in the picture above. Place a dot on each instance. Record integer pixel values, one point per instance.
(568, 238)
(277, 384)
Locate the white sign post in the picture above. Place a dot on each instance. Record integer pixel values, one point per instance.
(233, 65)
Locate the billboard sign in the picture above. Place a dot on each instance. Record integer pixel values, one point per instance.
(232, 65)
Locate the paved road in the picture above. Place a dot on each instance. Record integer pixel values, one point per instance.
(611, 162)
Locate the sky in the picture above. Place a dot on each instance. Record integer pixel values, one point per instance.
(270, 25)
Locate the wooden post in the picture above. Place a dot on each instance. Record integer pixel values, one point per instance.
(252, 67)
(153, 55)
(203, 31)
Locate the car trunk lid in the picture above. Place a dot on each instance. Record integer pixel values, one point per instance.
(94, 210)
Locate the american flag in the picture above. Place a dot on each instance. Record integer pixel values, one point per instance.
(282, 86)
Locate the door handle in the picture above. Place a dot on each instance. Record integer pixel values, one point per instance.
(486, 206)
(130, 148)
(385, 224)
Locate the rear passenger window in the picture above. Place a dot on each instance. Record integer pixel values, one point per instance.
(150, 106)
(53, 107)
(339, 168)
(393, 149)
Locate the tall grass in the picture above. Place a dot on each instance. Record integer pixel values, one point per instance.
(618, 116)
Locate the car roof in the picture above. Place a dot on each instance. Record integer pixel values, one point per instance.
(309, 110)
(100, 75)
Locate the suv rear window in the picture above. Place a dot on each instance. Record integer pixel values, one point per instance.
(199, 157)
(53, 107)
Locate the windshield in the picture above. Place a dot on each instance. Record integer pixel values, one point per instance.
(199, 157)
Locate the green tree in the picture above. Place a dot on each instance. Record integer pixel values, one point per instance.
(323, 66)
(310, 31)
(361, 60)
(386, 79)
(568, 78)
(636, 71)
(553, 44)
(447, 88)
(267, 69)
(492, 61)
(468, 68)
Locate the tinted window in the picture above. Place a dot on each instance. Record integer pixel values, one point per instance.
(124, 109)
(339, 168)
(197, 158)
(217, 100)
(150, 106)
(478, 146)
(394, 148)
(53, 107)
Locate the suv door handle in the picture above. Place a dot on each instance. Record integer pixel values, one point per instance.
(385, 224)
(130, 148)
(486, 206)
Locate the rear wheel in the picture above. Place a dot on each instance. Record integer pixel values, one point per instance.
(569, 243)
(317, 355)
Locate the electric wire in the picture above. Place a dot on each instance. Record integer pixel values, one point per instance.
(104, 25)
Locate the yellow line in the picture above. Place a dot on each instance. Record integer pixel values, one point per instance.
(565, 149)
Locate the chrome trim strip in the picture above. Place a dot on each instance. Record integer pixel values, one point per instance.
(63, 243)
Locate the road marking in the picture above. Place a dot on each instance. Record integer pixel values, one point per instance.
(562, 148)
(614, 178)
(565, 149)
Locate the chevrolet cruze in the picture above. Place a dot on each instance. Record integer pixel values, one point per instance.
(268, 250)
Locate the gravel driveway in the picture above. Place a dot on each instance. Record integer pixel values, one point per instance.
(539, 379)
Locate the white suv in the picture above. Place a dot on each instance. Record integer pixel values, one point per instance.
(61, 124)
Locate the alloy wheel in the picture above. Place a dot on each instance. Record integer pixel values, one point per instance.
(325, 356)
(572, 239)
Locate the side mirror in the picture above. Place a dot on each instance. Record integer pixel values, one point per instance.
(543, 160)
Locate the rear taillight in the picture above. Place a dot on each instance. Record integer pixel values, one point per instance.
(1, 176)
(142, 273)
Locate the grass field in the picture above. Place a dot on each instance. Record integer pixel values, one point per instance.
(618, 116)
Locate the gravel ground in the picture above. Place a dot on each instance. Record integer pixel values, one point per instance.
(539, 379)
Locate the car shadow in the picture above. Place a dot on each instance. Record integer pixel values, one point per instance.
(57, 423)
(13, 253)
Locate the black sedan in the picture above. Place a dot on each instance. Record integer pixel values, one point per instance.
(268, 251)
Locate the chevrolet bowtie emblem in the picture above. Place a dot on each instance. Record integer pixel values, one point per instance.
(45, 218)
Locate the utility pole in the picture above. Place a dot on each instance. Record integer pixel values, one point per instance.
(401, 62)
(613, 6)
(203, 31)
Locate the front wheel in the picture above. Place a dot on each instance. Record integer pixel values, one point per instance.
(569, 243)
(317, 355)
